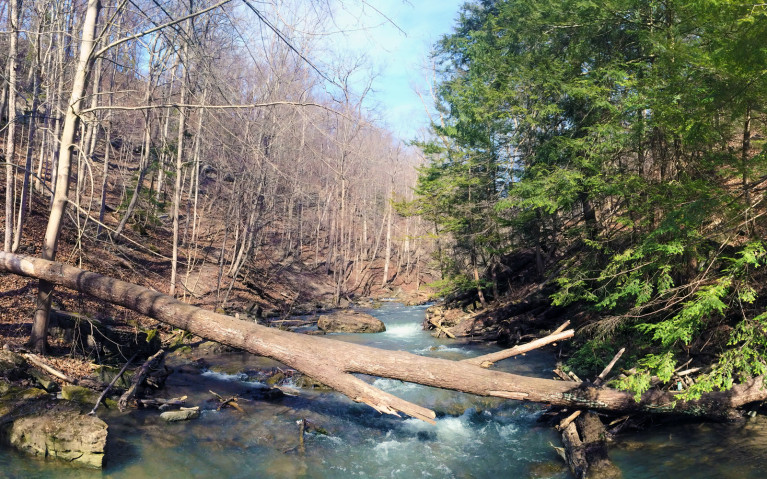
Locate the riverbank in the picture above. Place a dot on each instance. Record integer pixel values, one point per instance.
(473, 436)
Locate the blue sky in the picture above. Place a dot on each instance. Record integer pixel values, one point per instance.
(399, 59)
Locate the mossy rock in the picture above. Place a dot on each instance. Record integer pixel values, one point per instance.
(79, 394)
(306, 382)
(59, 433)
(350, 321)
(13, 398)
(212, 347)
(14, 393)
(180, 415)
(546, 469)
(275, 378)
(45, 381)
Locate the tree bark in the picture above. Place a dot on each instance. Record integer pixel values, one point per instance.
(10, 144)
(179, 166)
(333, 362)
(38, 339)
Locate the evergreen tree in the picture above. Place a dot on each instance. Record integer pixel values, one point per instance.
(621, 141)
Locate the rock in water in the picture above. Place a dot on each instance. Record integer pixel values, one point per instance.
(67, 435)
(180, 415)
(349, 321)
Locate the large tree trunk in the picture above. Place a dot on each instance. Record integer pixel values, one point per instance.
(332, 362)
(61, 191)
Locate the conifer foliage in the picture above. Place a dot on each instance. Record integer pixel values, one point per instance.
(623, 143)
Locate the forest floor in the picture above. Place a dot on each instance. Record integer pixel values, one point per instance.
(279, 288)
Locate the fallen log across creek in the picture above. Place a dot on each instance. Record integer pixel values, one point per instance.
(334, 362)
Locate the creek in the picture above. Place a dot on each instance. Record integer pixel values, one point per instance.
(474, 437)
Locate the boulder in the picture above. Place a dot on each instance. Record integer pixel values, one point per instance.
(183, 414)
(61, 434)
(348, 321)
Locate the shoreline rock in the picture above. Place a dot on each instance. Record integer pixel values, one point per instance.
(350, 321)
(32, 422)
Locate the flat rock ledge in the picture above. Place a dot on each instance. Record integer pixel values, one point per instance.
(35, 423)
(66, 435)
(349, 321)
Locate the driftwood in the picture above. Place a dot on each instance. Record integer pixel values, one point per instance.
(488, 359)
(441, 329)
(333, 363)
(161, 403)
(139, 377)
(301, 432)
(224, 402)
(562, 375)
(568, 420)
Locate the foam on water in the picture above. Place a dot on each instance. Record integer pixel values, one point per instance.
(407, 330)
(238, 377)
(394, 386)
(449, 429)
(383, 448)
(442, 349)
(507, 431)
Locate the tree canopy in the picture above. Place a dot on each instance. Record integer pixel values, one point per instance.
(623, 143)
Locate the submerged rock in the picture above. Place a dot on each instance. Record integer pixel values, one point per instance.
(349, 321)
(306, 382)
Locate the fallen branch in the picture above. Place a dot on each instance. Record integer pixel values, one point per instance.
(161, 403)
(575, 453)
(139, 378)
(111, 383)
(609, 367)
(562, 375)
(88, 383)
(487, 360)
(586, 448)
(569, 419)
(442, 329)
(562, 327)
(301, 431)
(224, 402)
(688, 371)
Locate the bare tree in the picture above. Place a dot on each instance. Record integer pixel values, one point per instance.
(10, 138)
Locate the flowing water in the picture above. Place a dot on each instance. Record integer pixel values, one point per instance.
(474, 437)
